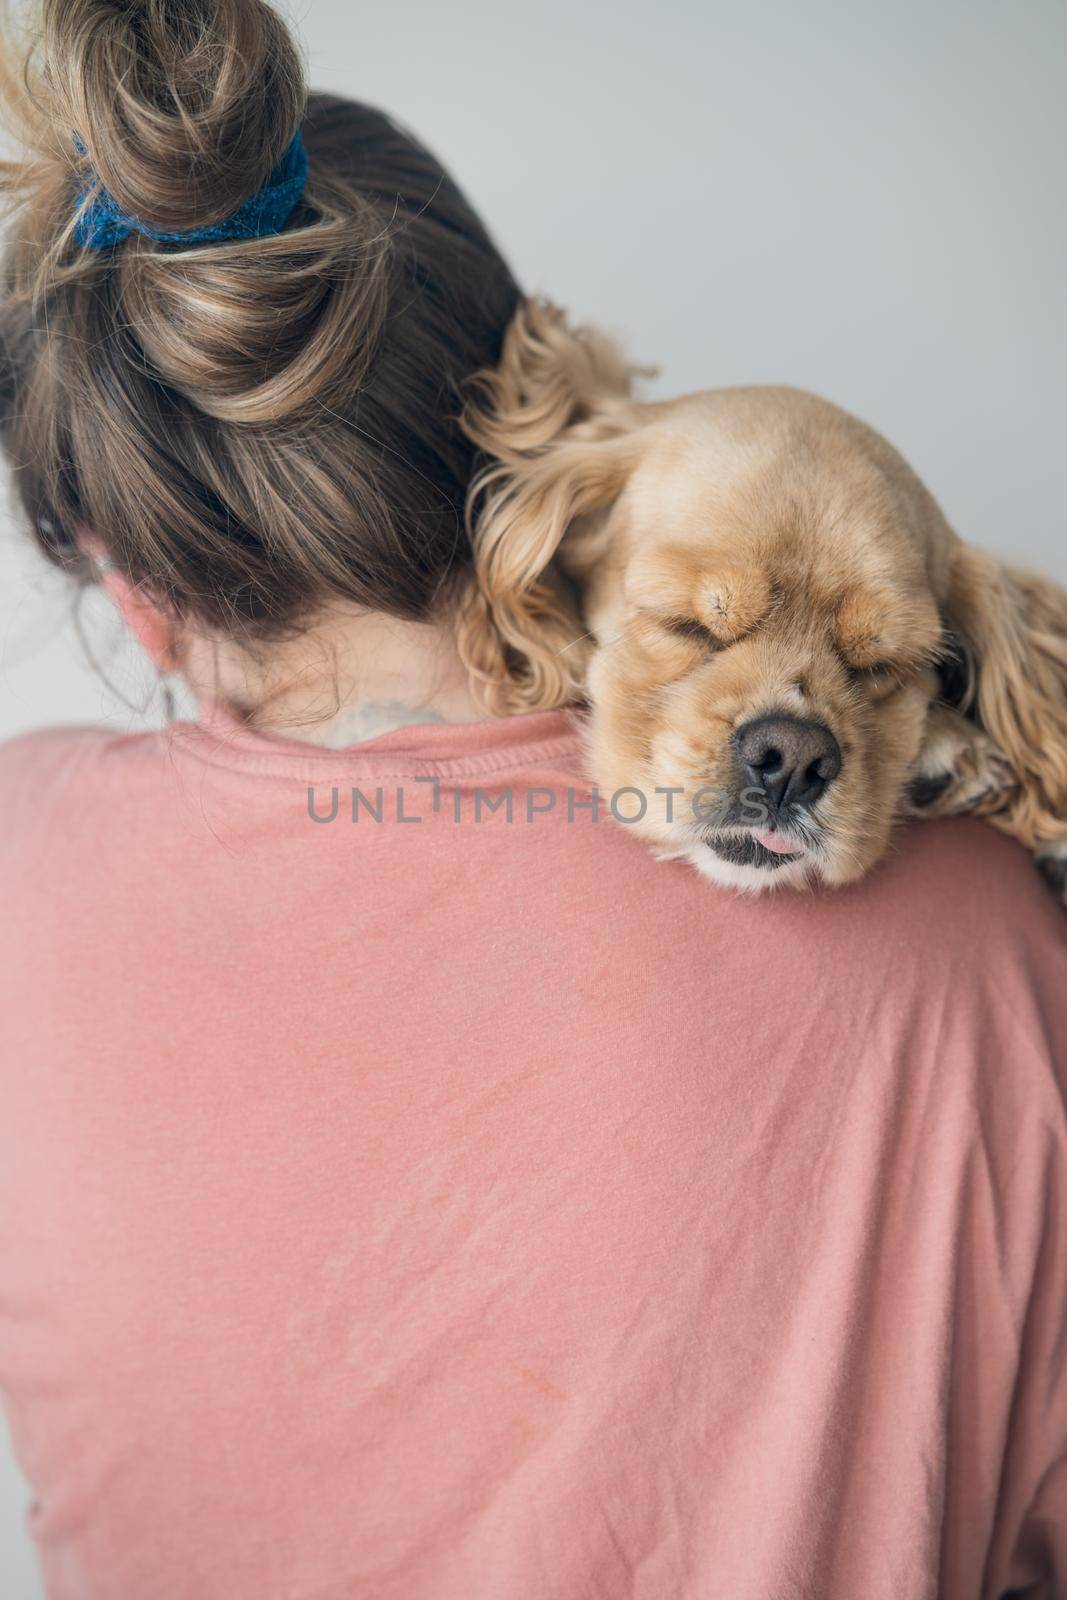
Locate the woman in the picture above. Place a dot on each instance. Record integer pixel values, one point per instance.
(408, 1188)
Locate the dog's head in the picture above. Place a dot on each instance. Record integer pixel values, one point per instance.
(755, 593)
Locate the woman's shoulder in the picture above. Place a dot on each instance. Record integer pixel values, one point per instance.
(955, 903)
(52, 773)
(961, 873)
(65, 742)
(28, 758)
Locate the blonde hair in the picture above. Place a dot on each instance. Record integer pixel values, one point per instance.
(555, 420)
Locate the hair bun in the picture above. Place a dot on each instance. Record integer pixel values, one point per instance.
(183, 107)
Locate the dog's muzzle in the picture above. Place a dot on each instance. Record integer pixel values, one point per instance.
(786, 764)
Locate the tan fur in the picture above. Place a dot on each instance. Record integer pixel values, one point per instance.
(1013, 626)
(554, 415)
(693, 564)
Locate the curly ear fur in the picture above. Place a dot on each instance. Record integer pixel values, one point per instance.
(1013, 629)
(555, 416)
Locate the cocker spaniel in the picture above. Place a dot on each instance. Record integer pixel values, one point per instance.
(784, 646)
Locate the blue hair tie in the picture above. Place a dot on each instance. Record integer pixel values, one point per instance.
(102, 223)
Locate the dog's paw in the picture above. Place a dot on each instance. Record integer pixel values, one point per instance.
(1051, 858)
(959, 769)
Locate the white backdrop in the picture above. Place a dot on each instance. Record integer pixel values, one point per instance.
(858, 198)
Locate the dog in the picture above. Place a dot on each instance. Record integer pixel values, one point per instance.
(783, 645)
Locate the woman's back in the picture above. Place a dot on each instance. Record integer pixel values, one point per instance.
(479, 1208)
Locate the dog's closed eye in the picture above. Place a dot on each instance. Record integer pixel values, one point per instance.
(690, 628)
(686, 592)
(677, 643)
(880, 679)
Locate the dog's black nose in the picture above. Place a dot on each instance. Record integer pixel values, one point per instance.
(789, 760)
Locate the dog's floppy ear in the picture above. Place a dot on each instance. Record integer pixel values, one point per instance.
(1012, 630)
(556, 419)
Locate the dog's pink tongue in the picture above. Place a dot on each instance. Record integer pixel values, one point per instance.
(774, 841)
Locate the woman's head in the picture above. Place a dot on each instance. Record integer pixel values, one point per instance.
(252, 430)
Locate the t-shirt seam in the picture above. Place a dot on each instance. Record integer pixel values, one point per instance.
(276, 766)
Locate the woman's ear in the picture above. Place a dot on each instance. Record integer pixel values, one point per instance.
(1012, 629)
(154, 628)
(557, 420)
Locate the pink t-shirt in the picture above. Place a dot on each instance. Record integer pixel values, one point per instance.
(482, 1210)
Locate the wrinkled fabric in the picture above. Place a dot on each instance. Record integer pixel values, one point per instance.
(483, 1210)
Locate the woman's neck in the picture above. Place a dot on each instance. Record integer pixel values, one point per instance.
(349, 678)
